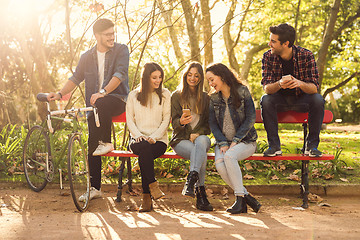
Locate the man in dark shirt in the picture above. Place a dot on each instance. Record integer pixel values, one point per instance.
(290, 81)
(104, 68)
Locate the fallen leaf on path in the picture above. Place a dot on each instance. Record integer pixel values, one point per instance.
(314, 198)
(282, 168)
(299, 208)
(224, 191)
(248, 177)
(344, 180)
(324, 205)
(209, 192)
(274, 177)
(293, 177)
(328, 176)
(248, 166)
(284, 199)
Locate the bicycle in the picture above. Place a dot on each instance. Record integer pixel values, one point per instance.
(38, 159)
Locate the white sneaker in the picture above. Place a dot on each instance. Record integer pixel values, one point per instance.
(94, 193)
(103, 148)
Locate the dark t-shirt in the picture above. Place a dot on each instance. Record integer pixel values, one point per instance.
(288, 69)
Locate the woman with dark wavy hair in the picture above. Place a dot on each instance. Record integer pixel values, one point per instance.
(148, 118)
(190, 115)
(232, 118)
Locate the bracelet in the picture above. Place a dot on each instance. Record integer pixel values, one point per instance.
(60, 94)
(279, 84)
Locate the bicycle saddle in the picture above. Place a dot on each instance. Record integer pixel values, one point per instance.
(42, 97)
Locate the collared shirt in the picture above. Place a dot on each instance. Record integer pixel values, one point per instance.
(305, 68)
(116, 65)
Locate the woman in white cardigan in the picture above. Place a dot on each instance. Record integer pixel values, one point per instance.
(148, 117)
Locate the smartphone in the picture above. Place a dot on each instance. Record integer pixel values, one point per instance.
(286, 77)
(186, 112)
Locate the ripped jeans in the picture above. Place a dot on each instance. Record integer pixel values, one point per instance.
(228, 167)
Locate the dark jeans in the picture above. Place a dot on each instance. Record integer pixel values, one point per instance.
(108, 107)
(277, 102)
(147, 153)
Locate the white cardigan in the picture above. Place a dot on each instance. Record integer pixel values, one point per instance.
(150, 121)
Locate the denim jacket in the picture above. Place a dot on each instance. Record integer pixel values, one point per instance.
(243, 117)
(116, 65)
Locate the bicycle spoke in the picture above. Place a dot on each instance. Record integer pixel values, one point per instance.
(78, 172)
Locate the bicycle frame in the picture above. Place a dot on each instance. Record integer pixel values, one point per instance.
(76, 127)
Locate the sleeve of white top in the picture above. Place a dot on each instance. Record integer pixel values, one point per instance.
(130, 115)
(166, 114)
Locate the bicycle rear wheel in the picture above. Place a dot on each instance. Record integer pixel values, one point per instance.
(78, 173)
(38, 167)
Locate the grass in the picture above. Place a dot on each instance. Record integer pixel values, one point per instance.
(345, 144)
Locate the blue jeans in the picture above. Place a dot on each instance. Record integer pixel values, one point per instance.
(277, 102)
(196, 152)
(228, 167)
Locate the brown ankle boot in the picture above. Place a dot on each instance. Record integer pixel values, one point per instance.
(155, 191)
(146, 205)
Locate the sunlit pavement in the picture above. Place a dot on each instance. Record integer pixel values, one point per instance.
(51, 214)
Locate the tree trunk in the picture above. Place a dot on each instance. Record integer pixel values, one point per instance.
(229, 43)
(166, 14)
(328, 37)
(190, 26)
(248, 60)
(206, 20)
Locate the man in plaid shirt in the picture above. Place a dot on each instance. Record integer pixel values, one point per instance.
(290, 81)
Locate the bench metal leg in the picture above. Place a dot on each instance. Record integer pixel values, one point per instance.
(127, 161)
(304, 187)
(305, 128)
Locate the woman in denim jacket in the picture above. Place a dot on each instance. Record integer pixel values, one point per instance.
(190, 132)
(232, 118)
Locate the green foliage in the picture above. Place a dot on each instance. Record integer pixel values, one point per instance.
(11, 141)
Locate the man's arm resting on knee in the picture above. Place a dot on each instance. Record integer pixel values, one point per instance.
(111, 86)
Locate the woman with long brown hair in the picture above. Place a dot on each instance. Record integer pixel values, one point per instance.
(190, 115)
(148, 118)
(232, 118)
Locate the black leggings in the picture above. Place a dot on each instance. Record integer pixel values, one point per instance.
(108, 107)
(147, 153)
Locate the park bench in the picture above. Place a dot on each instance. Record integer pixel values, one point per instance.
(283, 117)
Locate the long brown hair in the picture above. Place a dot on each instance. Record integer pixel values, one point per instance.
(185, 92)
(144, 93)
(229, 78)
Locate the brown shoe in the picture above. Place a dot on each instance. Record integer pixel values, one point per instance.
(146, 205)
(155, 191)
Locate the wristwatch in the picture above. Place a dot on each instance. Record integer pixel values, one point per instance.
(103, 92)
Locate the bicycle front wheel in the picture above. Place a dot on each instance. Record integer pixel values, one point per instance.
(78, 173)
(38, 167)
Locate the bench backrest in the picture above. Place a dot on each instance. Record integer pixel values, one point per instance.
(283, 117)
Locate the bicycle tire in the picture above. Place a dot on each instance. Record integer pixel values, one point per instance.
(79, 177)
(35, 152)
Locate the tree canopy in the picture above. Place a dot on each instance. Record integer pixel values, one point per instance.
(41, 42)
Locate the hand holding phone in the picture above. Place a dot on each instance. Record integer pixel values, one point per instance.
(185, 117)
(186, 112)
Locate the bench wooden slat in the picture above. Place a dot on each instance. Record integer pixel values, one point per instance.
(283, 117)
(119, 153)
(295, 117)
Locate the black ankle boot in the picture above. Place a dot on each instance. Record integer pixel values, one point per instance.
(252, 202)
(202, 202)
(189, 187)
(239, 206)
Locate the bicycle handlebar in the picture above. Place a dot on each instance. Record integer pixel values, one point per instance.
(42, 97)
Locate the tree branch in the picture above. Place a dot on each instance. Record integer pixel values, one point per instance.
(343, 83)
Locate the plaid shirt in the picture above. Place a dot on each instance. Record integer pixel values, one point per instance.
(305, 68)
